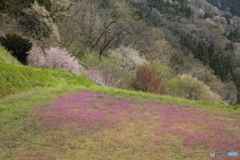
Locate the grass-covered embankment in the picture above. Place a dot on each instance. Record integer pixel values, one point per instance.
(14, 79)
(7, 58)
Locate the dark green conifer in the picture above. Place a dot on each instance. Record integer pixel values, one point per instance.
(17, 45)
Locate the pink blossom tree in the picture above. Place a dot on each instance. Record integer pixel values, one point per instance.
(54, 58)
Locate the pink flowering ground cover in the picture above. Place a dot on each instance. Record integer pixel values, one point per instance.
(96, 126)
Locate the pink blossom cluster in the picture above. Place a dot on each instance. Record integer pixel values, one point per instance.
(95, 76)
(54, 58)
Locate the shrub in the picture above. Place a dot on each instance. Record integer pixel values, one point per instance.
(17, 45)
(36, 57)
(105, 71)
(126, 58)
(188, 87)
(96, 76)
(54, 58)
(163, 70)
(185, 87)
(91, 61)
(115, 69)
(146, 80)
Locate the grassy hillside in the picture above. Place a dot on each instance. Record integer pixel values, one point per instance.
(7, 58)
(65, 116)
(18, 78)
(15, 77)
(59, 115)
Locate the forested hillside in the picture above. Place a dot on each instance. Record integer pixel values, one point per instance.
(191, 46)
(227, 5)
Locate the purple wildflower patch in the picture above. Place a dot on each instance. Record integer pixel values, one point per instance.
(149, 124)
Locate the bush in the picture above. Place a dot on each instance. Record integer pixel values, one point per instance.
(190, 88)
(96, 76)
(17, 45)
(54, 58)
(146, 80)
(185, 87)
(36, 58)
(115, 69)
(105, 71)
(163, 70)
(126, 58)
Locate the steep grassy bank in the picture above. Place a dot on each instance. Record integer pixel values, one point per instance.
(14, 79)
(7, 58)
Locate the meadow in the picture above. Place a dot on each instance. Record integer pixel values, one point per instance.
(79, 122)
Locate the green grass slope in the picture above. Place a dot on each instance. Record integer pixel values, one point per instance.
(60, 115)
(14, 79)
(8, 58)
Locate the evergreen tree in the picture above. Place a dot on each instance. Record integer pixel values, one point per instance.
(233, 5)
(234, 35)
(220, 62)
(17, 45)
(14, 8)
